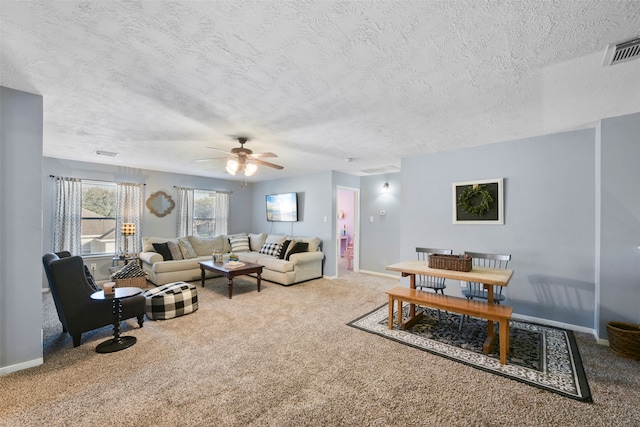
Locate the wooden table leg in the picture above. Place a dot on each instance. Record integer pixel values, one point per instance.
(412, 307)
(202, 275)
(390, 324)
(504, 341)
(399, 312)
(490, 328)
(259, 273)
(230, 284)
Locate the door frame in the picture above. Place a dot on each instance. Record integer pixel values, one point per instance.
(356, 228)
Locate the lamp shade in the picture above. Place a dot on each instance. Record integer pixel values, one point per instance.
(128, 229)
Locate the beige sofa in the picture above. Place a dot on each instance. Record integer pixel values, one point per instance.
(298, 268)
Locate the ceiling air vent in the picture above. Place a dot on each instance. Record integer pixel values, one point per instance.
(383, 169)
(622, 52)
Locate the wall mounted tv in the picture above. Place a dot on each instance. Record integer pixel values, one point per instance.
(282, 207)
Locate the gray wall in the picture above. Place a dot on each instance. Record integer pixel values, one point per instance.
(380, 240)
(619, 221)
(155, 181)
(549, 218)
(20, 230)
(314, 204)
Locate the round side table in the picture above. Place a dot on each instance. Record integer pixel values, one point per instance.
(116, 343)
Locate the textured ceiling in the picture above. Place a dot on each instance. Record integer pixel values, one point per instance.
(314, 81)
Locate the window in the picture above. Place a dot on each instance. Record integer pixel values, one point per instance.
(210, 213)
(98, 224)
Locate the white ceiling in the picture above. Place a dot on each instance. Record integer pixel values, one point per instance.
(314, 81)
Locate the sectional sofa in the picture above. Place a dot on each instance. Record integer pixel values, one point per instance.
(287, 260)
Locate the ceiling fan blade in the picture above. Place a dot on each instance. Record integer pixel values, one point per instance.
(209, 158)
(271, 165)
(261, 155)
(222, 151)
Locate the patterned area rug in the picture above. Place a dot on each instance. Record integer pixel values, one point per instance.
(540, 356)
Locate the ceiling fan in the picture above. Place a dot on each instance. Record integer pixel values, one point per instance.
(241, 158)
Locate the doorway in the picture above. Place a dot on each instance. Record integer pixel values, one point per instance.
(347, 230)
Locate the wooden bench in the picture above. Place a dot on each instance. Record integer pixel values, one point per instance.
(491, 312)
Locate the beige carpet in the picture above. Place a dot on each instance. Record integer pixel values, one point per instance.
(286, 357)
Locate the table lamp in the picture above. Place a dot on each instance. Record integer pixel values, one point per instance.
(127, 229)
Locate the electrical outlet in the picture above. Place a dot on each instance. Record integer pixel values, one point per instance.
(93, 267)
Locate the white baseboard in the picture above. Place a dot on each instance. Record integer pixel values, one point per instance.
(375, 273)
(562, 325)
(20, 366)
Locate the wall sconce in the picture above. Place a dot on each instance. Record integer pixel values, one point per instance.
(385, 187)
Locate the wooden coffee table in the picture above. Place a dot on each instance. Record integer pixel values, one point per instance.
(231, 272)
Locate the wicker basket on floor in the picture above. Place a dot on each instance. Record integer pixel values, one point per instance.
(450, 262)
(132, 282)
(624, 339)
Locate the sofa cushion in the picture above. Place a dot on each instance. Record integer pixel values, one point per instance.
(275, 264)
(186, 248)
(274, 238)
(174, 248)
(297, 248)
(314, 242)
(283, 249)
(147, 242)
(163, 249)
(239, 244)
(256, 241)
(270, 249)
(206, 245)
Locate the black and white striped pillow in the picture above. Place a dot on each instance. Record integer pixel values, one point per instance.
(129, 271)
(239, 244)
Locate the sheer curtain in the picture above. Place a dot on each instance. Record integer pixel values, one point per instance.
(68, 215)
(185, 211)
(130, 209)
(221, 212)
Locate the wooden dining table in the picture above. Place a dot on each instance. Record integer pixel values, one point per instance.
(489, 277)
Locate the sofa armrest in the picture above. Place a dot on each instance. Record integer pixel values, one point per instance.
(306, 257)
(150, 257)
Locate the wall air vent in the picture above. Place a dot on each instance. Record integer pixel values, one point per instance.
(622, 52)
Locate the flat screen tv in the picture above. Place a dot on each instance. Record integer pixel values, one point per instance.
(282, 207)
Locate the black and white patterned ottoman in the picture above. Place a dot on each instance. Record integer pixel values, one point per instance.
(171, 300)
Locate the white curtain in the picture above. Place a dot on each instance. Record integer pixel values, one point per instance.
(185, 211)
(221, 212)
(130, 209)
(68, 216)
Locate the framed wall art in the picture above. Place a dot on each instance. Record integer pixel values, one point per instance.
(478, 202)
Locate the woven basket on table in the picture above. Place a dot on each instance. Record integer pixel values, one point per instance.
(624, 339)
(450, 262)
(132, 282)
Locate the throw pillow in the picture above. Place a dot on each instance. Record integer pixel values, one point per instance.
(186, 248)
(174, 248)
(273, 238)
(239, 244)
(92, 282)
(163, 249)
(270, 249)
(256, 241)
(297, 248)
(283, 249)
(129, 271)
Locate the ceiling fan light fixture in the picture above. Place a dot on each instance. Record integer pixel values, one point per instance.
(250, 169)
(232, 166)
